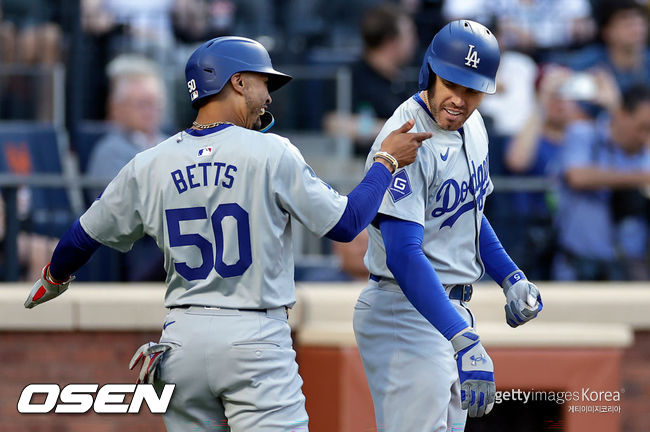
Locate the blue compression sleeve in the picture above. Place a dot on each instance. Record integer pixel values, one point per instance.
(497, 262)
(363, 203)
(73, 251)
(415, 275)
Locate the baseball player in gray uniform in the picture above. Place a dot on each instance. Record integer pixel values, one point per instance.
(219, 199)
(425, 364)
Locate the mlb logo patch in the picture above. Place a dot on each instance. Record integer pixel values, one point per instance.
(400, 187)
(194, 95)
(205, 151)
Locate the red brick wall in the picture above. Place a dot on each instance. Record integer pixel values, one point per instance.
(102, 357)
(636, 382)
(63, 358)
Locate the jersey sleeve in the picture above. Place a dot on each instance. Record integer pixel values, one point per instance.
(115, 218)
(300, 192)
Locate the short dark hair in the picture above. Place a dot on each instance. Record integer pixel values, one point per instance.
(607, 9)
(635, 96)
(380, 24)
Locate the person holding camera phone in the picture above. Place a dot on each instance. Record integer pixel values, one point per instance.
(604, 162)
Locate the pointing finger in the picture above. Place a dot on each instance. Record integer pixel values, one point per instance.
(406, 126)
(421, 136)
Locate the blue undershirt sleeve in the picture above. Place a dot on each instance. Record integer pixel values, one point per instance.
(363, 204)
(498, 263)
(73, 251)
(416, 276)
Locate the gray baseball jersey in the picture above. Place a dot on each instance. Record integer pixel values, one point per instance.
(436, 191)
(444, 190)
(220, 207)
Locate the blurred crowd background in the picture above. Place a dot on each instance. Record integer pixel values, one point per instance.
(86, 84)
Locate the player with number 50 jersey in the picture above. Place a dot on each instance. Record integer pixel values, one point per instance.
(219, 198)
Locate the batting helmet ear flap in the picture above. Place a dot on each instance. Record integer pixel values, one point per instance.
(428, 78)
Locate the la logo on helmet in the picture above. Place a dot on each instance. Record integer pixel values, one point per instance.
(472, 58)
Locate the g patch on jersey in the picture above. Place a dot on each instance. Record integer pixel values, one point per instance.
(400, 187)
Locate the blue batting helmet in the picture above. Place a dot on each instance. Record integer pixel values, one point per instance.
(463, 52)
(213, 63)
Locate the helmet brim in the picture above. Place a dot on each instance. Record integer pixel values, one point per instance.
(277, 79)
(463, 76)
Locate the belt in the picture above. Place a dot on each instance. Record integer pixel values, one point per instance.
(238, 309)
(457, 292)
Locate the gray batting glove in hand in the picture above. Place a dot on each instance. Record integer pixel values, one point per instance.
(476, 373)
(45, 289)
(151, 355)
(523, 300)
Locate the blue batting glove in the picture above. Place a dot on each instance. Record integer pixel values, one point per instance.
(476, 373)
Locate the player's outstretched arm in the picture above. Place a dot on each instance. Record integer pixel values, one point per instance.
(73, 250)
(421, 286)
(523, 299)
(398, 149)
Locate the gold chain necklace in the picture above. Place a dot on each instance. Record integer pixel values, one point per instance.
(425, 93)
(209, 125)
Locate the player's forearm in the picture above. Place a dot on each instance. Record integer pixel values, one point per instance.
(496, 260)
(416, 276)
(74, 249)
(363, 204)
(521, 150)
(596, 178)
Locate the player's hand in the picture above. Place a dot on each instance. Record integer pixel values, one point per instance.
(151, 355)
(46, 289)
(476, 373)
(523, 299)
(403, 145)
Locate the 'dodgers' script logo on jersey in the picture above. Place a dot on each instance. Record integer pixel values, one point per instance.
(452, 195)
(472, 58)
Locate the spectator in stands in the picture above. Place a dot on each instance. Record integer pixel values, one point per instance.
(535, 27)
(145, 26)
(534, 151)
(30, 37)
(623, 50)
(200, 20)
(135, 107)
(37, 36)
(598, 158)
(349, 263)
(509, 108)
(136, 104)
(115, 27)
(378, 83)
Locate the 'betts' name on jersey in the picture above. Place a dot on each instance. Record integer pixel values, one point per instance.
(204, 174)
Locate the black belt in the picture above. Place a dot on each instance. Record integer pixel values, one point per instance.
(214, 307)
(457, 292)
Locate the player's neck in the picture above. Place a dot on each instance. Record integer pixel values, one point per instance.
(212, 113)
